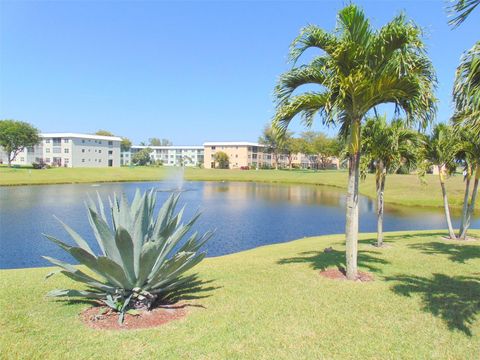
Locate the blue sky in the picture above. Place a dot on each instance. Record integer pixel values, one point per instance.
(187, 71)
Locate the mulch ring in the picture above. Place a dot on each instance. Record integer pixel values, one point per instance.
(104, 318)
(340, 274)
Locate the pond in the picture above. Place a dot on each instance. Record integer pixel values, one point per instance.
(245, 215)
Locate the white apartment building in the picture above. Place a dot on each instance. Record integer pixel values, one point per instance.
(72, 150)
(169, 155)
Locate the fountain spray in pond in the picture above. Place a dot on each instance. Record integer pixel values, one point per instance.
(174, 179)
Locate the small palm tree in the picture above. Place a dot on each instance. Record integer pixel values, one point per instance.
(440, 149)
(466, 90)
(388, 147)
(469, 154)
(358, 69)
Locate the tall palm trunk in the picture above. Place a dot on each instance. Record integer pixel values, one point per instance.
(380, 187)
(351, 229)
(445, 204)
(471, 207)
(465, 200)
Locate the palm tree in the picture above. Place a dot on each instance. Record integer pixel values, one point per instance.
(469, 154)
(358, 69)
(466, 90)
(462, 9)
(388, 147)
(440, 149)
(466, 119)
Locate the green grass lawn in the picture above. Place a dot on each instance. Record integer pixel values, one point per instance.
(400, 189)
(270, 303)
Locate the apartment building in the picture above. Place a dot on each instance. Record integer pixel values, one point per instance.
(169, 155)
(240, 154)
(304, 161)
(73, 150)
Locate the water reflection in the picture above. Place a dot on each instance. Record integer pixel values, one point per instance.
(246, 215)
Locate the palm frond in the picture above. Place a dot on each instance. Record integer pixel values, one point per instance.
(461, 9)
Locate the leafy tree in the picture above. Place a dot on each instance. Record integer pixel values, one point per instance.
(469, 155)
(358, 69)
(325, 148)
(461, 9)
(307, 147)
(222, 159)
(440, 149)
(126, 144)
(292, 147)
(142, 157)
(466, 91)
(154, 142)
(16, 136)
(104, 133)
(142, 143)
(159, 142)
(388, 147)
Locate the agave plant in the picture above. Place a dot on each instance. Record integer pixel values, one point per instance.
(143, 258)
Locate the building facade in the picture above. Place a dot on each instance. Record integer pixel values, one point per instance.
(73, 150)
(169, 155)
(240, 155)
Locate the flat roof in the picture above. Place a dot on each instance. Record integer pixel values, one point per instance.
(231, 143)
(80, 136)
(172, 147)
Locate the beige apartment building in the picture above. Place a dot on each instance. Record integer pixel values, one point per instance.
(240, 154)
(253, 155)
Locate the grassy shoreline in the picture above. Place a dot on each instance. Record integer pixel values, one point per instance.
(270, 303)
(405, 190)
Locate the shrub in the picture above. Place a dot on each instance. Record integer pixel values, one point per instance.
(142, 258)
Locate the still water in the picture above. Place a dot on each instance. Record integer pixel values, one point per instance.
(245, 215)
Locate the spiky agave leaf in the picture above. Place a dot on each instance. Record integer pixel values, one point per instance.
(140, 252)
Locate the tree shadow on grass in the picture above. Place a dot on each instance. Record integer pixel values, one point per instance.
(387, 238)
(456, 252)
(320, 260)
(454, 299)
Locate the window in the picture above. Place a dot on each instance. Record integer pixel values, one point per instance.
(83, 141)
(100, 141)
(57, 141)
(83, 150)
(47, 141)
(83, 160)
(99, 160)
(213, 148)
(22, 159)
(110, 143)
(110, 152)
(47, 150)
(65, 141)
(99, 151)
(66, 151)
(47, 160)
(57, 150)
